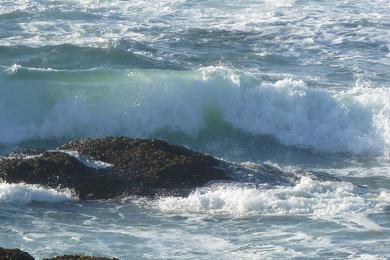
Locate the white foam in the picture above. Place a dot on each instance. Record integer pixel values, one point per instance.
(25, 193)
(14, 68)
(280, 3)
(141, 102)
(245, 15)
(332, 201)
(87, 161)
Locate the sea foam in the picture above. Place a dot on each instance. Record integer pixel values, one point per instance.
(332, 201)
(25, 193)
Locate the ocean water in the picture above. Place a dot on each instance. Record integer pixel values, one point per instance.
(296, 84)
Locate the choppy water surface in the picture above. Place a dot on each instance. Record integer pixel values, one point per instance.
(298, 84)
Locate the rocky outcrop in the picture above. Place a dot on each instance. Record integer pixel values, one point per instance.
(115, 166)
(14, 254)
(154, 163)
(60, 170)
(138, 167)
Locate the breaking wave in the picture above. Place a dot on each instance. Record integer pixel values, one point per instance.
(335, 201)
(25, 193)
(50, 104)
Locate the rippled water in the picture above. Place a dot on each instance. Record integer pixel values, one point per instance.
(298, 84)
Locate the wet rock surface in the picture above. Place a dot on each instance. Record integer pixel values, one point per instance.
(139, 167)
(59, 170)
(154, 163)
(119, 166)
(14, 254)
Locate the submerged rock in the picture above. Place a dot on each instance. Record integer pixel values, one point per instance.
(138, 167)
(14, 254)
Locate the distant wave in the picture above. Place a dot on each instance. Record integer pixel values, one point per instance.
(44, 104)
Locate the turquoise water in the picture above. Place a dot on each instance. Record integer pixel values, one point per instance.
(301, 85)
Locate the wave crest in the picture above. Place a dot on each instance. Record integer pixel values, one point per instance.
(141, 103)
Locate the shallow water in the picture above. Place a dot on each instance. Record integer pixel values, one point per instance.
(296, 84)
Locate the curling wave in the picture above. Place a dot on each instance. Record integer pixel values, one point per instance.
(49, 104)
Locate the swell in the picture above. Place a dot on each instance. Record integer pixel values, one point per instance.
(54, 104)
(68, 56)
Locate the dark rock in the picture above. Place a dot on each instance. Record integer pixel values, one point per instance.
(22, 153)
(79, 257)
(14, 254)
(60, 170)
(154, 163)
(139, 167)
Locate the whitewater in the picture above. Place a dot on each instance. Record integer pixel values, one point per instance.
(294, 84)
